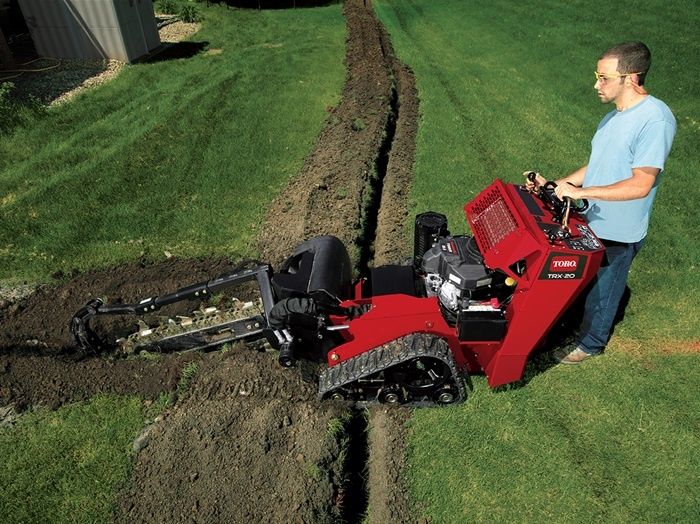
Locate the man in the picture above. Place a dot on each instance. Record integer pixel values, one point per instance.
(628, 153)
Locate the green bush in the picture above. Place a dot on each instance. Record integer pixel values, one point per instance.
(168, 6)
(189, 13)
(186, 10)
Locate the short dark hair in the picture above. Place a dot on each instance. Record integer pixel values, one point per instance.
(633, 57)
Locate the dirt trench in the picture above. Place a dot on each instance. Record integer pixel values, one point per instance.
(250, 442)
(355, 182)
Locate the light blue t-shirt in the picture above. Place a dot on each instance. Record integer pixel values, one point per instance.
(640, 136)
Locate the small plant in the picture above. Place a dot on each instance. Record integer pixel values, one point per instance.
(217, 299)
(6, 106)
(157, 407)
(5, 90)
(188, 373)
(14, 112)
(313, 471)
(338, 426)
(150, 356)
(168, 6)
(337, 430)
(189, 13)
(358, 124)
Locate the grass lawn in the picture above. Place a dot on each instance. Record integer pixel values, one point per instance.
(614, 441)
(180, 155)
(184, 155)
(66, 465)
(506, 87)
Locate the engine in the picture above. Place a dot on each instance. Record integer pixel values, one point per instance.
(455, 272)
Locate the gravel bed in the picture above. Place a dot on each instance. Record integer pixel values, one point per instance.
(177, 31)
(53, 81)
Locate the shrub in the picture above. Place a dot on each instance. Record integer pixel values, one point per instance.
(189, 13)
(168, 6)
(185, 10)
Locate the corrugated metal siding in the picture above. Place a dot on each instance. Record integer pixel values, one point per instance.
(148, 24)
(120, 29)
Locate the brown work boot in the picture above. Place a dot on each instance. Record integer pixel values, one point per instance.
(567, 356)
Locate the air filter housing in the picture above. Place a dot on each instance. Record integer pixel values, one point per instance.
(429, 228)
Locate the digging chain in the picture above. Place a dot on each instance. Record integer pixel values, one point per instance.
(204, 328)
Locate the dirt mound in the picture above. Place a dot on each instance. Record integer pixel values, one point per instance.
(339, 177)
(38, 360)
(39, 322)
(391, 244)
(29, 380)
(355, 185)
(388, 497)
(249, 443)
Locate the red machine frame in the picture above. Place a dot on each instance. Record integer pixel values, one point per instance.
(518, 236)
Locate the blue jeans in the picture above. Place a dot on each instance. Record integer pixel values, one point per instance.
(604, 297)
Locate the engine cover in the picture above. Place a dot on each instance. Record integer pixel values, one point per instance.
(457, 260)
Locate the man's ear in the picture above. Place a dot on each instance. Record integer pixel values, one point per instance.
(634, 79)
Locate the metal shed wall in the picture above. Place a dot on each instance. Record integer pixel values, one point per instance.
(120, 29)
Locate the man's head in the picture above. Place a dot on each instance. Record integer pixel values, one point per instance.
(632, 58)
(621, 71)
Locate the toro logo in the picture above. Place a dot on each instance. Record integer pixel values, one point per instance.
(561, 264)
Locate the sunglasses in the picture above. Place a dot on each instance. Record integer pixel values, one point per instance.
(604, 77)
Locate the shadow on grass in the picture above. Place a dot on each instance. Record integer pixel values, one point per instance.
(174, 51)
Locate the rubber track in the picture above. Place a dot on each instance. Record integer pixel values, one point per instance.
(388, 355)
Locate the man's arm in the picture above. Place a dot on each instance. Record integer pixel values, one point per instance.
(575, 178)
(637, 186)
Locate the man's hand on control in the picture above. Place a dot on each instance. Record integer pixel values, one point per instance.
(539, 180)
(565, 189)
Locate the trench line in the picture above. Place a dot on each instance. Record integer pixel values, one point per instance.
(370, 212)
(356, 467)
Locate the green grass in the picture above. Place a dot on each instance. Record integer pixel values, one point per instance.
(14, 113)
(506, 87)
(613, 441)
(184, 155)
(67, 465)
(188, 373)
(181, 155)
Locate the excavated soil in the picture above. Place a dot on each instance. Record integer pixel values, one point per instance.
(351, 172)
(249, 442)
